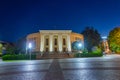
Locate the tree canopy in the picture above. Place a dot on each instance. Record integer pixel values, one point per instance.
(114, 39)
(1, 48)
(91, 37)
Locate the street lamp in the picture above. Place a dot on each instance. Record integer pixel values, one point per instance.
(79, 45)
(30, 46)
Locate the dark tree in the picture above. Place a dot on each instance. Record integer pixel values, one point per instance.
(91, 38)
(21, 45)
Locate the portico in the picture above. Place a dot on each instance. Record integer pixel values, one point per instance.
(57, 41)
(53, 40)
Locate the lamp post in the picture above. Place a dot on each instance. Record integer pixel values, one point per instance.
(30, 46)
(80, 47)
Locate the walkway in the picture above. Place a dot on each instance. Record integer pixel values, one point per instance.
(98, 68)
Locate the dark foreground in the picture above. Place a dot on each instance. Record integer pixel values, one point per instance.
(101, 68)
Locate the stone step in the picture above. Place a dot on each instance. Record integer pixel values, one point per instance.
(54, 55)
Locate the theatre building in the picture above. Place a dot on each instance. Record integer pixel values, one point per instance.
(53, 40)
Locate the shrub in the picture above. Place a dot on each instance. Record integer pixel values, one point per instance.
(77, 55)
(19, 57)
(118, 50)
(96, 50)
(85, 51)
(88, 55)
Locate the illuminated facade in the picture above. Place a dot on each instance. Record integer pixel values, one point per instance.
(106, 46)
(53, 40)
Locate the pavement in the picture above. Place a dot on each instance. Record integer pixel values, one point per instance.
(97, 68)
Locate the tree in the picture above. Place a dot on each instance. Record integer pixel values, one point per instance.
(114, 39)
(10, 48)
(1, 48)
(91, 38)
(21, 45)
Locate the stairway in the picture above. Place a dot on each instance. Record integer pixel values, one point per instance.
(54, 55)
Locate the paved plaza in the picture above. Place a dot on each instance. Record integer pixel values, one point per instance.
(98, 68)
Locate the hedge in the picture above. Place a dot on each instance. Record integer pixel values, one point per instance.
(88, 55)
(18, 57)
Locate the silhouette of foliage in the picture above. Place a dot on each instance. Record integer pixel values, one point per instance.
(91, 38)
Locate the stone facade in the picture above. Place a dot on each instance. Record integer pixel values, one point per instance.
(53, 40)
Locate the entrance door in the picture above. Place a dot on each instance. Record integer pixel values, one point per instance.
(55, 49)
(64, 49)
(46, 49)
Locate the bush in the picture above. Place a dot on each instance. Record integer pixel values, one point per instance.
(0, 55)
(85, 51)
(19, 57)
(77, 55)
(118, 50)
(88, 55)
(96, 50)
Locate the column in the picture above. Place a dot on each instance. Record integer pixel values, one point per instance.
(60, 42)
(42, 43)
(51, 43)
(68, 43)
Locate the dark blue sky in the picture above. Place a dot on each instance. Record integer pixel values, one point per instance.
(21, 17)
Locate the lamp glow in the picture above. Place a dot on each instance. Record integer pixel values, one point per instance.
(80, 45)
(104, 37)
(29, 45)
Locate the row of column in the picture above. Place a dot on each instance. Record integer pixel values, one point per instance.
(51, 43)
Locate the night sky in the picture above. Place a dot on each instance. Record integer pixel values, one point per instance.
(21, 17)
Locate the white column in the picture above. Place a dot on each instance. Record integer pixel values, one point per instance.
(51, 43)
(68, 43)
(60, 42)
(42, 43)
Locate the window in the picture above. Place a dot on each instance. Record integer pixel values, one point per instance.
(55, 41)
(64, 41)
(47, 41)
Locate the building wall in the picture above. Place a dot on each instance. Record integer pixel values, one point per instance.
(36, 38)
(75, 37)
